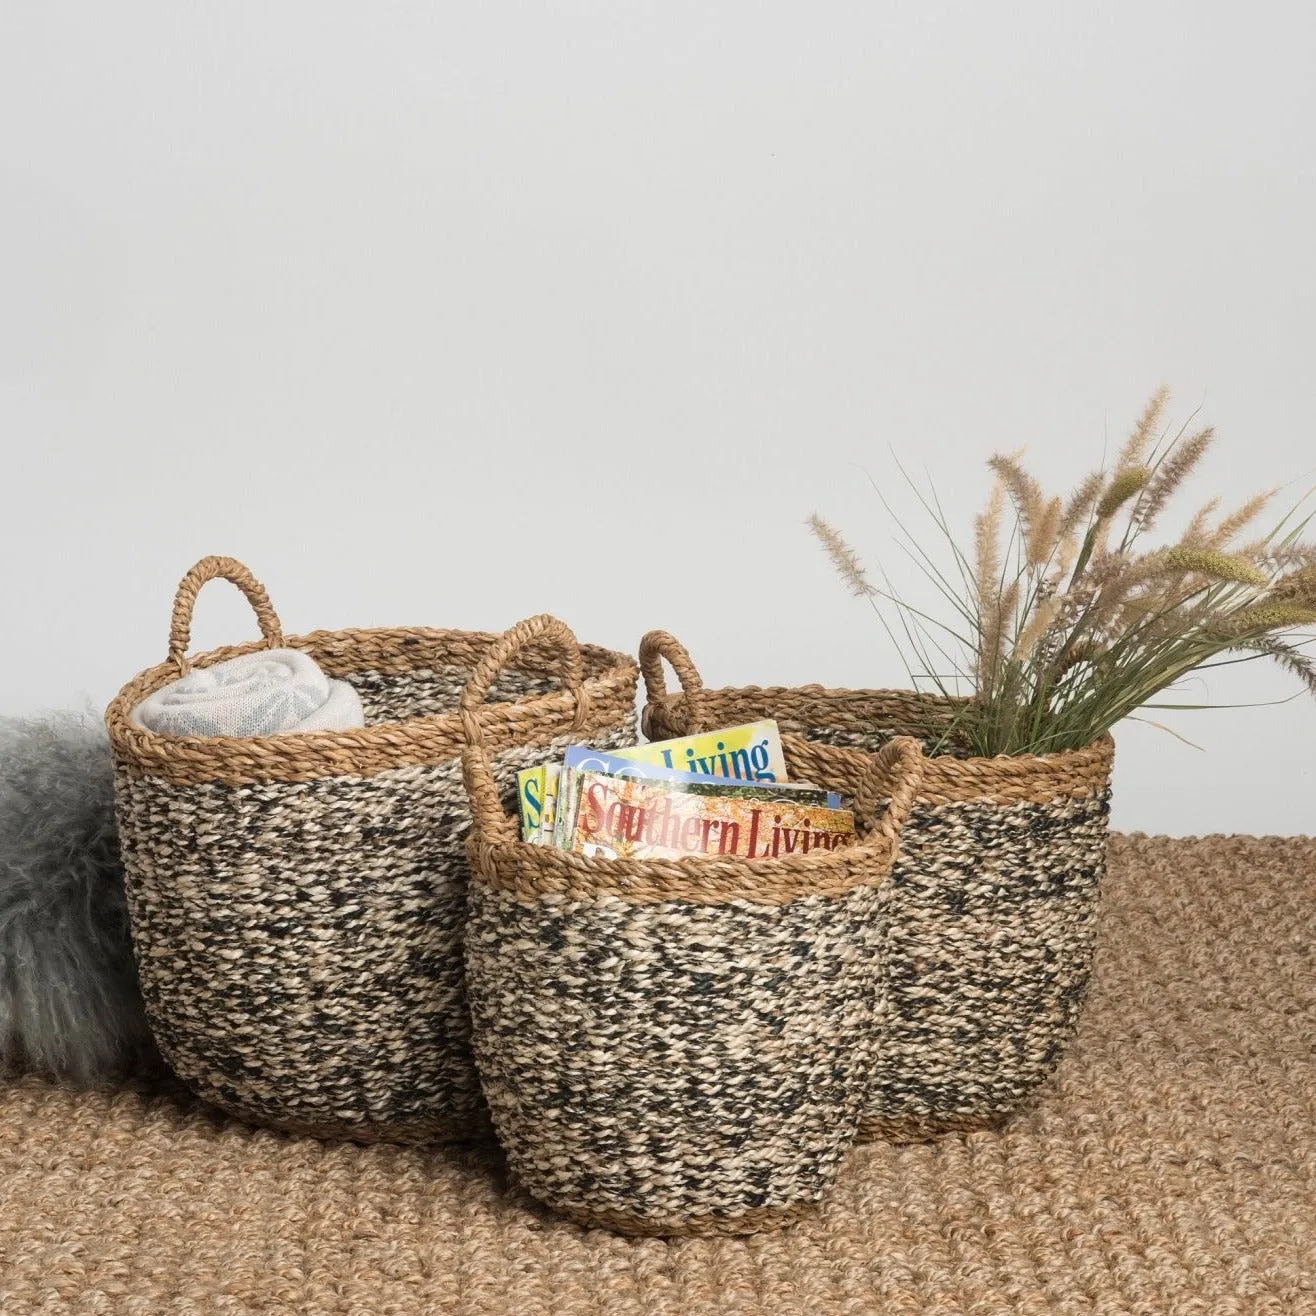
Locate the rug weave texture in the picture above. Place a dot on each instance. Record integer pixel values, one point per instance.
(1169, 1169)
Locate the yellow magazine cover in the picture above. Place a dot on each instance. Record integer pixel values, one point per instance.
(530, 794)
(552, 776)
(746, 753)
(634, 818)
(537, 791)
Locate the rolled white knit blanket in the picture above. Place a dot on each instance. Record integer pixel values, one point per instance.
(268, 693)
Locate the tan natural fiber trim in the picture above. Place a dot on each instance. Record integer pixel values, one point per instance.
(1020, 778)
(477, 769)
(1005, 779)
(654, 648)
(396, 650)
(529, 872)
(756, 1221)
(234, 761)
(218, 568)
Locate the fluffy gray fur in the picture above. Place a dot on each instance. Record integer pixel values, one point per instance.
(69, 1001)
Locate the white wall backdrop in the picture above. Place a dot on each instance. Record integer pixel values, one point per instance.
(451, 314)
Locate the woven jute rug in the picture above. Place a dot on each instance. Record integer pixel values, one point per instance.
(1169, 1168)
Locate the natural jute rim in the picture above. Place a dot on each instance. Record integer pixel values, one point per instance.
(503, 861)
(607, 677)
(1004, 779)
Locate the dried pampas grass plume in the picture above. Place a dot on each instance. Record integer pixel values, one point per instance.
(990, 650)
(1229, 529)
(1044, 534)
(987, 547)
(1290, 659)
(1135, 449)
(1037, 627)
(1291, 557)
(1300, 584)
(1025, 492)
(1178, 465)
(1080, 504)
(1126, 482)
(1266, 617)
(1219, 566)
(844, 558)
(1196, 534)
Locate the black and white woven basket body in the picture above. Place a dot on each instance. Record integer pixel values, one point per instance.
(994, 898)
(675, 1067)
(298, 902)
(678, 1046)
(991, 944)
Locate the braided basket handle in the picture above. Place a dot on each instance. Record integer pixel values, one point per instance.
(477, 768)
(656, 646)
(896, 774)
(218, 568)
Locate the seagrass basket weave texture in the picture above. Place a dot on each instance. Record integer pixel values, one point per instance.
(677, 1046)
(994, 896)
(297, 901)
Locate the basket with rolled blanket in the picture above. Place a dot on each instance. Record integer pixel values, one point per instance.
(293, 823)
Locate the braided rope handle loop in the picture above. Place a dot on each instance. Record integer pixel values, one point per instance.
(218, 568)
(656, 646)
(477, 768)
(896, 774)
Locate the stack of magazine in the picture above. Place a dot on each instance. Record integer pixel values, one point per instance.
(720, 793)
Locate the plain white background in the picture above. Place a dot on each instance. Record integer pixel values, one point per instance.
(451, 314)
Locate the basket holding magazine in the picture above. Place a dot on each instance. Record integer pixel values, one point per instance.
(677, 1045)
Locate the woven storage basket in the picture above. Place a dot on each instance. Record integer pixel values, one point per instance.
(993, 899)
(297, 901)
(676, 1046)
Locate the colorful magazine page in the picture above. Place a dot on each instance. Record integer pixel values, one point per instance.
(552, 779)
(745, 753)
(530, 794)
(634, 818)
(578, 760)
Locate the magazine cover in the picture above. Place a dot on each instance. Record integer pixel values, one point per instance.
(579, 760)
(634, 818)
(552, 779)
(536, 790)
(745, 753)
(530, 795)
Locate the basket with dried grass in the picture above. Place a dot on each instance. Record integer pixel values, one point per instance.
(1064, 623)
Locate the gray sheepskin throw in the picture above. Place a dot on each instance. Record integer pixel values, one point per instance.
(69, 1000)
